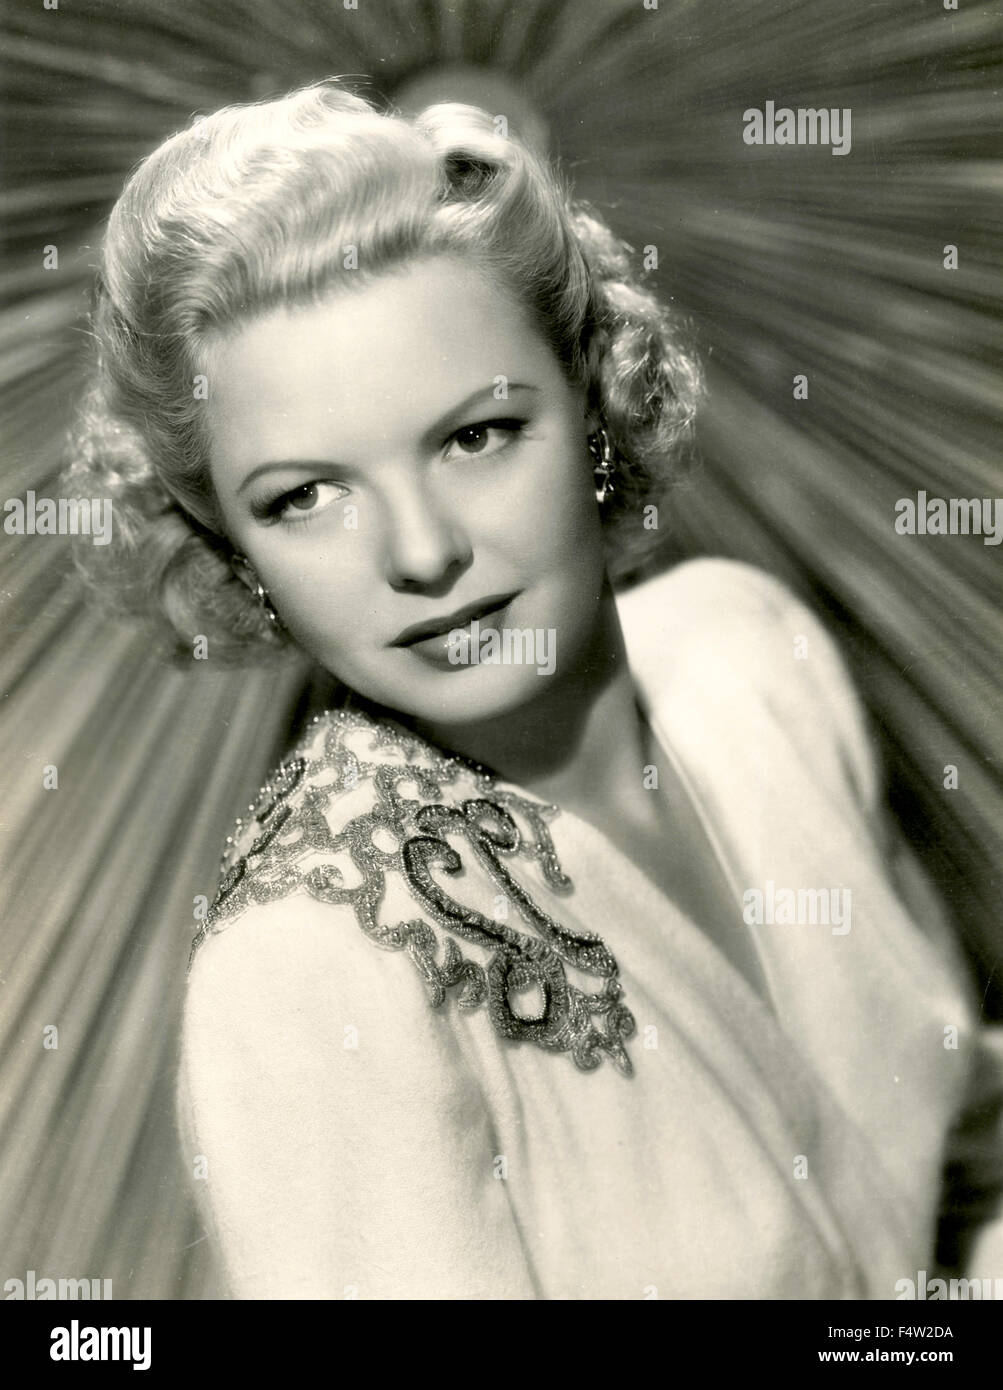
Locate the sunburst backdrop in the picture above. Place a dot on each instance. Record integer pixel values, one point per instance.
(787, 261)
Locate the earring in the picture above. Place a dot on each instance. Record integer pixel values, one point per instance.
(602, 454)
(241, 562)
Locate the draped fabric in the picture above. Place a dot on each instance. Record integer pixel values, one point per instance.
(123, 775)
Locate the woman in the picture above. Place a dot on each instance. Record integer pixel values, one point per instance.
(386, 395)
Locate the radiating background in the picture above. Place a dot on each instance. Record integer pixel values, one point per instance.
(787, 261)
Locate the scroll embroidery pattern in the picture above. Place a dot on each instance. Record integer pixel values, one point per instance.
(406, 835)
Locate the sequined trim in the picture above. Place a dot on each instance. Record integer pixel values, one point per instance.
(289, 824)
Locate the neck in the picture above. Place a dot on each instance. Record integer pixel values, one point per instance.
(581, 743)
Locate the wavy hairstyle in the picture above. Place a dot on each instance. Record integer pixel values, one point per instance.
(252, 207)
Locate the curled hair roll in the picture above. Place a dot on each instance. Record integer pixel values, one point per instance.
(643, 382)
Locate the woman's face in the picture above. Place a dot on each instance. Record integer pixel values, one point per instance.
(398, 461)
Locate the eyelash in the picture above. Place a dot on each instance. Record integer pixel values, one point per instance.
(270, 509)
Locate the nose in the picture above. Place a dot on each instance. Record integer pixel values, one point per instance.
(426, 545)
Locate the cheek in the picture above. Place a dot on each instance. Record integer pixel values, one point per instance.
(319, 587)
(557, 517)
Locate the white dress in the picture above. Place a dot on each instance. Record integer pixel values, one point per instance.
(661, 1129)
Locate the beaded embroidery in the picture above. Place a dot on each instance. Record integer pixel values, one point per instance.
(289, 825)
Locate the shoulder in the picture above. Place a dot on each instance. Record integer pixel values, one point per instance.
(311, 979)
(712, 605)
(294, 991)
(327, 889)
(724, 641)
(361, 841)
(315, 826)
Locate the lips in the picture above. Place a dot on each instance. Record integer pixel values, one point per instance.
(441, 627)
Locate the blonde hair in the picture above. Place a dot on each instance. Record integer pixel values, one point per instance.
(253, 207)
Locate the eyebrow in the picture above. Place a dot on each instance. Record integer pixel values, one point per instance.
(453, 418)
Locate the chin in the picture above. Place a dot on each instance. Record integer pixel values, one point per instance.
(462, 697)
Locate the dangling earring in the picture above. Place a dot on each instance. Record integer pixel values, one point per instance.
(602, 454)
(238, 562)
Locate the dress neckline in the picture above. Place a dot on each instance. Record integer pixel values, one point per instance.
(764, 996)
(626, 867)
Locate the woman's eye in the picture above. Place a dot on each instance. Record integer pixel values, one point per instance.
(303, 501)
(485, 438)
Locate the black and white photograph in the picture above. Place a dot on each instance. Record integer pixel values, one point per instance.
(502, 712)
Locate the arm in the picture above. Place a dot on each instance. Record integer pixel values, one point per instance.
(337, 1171)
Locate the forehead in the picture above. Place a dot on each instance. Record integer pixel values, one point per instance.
(370, 361)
